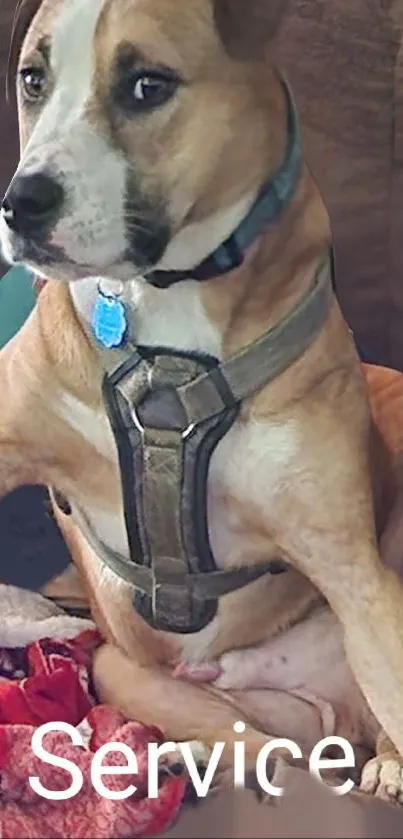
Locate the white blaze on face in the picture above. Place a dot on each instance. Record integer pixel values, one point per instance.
(72, 59)
(68, 143)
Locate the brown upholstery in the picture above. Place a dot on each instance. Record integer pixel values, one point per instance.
(345, 63)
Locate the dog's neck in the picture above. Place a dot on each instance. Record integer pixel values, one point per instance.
(152, 310)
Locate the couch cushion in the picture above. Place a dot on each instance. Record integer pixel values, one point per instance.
(342, 60)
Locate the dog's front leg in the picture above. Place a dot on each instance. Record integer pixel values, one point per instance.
(367, 597)
(17, 466)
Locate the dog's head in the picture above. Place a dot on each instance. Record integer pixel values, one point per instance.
(138, 119)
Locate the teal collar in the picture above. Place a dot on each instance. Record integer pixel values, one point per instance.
(272, 199)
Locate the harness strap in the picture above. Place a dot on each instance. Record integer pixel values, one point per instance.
(265, 359)
(164, 466)
(168, 410)
(202, 586)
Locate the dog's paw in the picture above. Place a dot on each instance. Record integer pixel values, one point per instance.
(174, 764)
(383, 777)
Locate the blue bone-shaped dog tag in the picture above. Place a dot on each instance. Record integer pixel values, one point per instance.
(109, 321)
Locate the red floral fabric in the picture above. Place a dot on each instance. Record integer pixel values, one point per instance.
(49, 681)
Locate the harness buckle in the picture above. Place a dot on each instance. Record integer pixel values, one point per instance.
(185, 432)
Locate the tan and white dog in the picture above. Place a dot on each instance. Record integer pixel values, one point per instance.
(147, 130)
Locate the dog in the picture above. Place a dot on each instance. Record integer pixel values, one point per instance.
(150, 131)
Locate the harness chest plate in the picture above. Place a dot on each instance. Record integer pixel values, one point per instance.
(164, 461)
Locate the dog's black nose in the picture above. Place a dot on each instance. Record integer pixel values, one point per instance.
(32, 202)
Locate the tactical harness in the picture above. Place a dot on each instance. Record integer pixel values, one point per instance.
(168, 410)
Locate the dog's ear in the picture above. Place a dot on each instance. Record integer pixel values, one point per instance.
(246, 26)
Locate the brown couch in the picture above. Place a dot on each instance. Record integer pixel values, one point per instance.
(345, 61)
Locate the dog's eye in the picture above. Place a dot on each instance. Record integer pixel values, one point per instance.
(33, 81)
(152, 91)
(147, 91)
